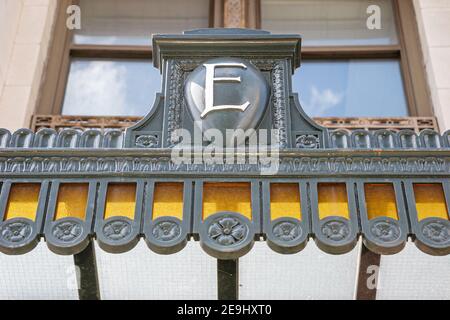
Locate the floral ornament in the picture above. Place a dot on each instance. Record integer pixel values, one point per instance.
(117, 229)
(16, 232)
(166, 231)
(385, 231)
(148, 141)
(307, 141)
(227, 231)
(436, 231)
(286, 231)
(67, 231)
(335, 230)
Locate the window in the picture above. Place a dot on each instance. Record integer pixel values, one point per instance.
(330, 22)
(349, 70)
(351, 87)
(118, 22)
(105, 68)
(110, 87)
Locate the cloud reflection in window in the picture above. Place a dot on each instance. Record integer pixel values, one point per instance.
(110, 88)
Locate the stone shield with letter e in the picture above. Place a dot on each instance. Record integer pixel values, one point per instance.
(226, 93)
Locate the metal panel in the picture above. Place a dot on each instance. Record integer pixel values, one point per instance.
(431, 235)
(286, 235)
(383, 235)
(235, 222)
(167, 235)
(21, 235)
(70, 235)
(118, 234)
(334, 234)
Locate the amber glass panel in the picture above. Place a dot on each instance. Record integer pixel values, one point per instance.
(333, 200)
(380, 200)
(168, 200)
(23, 201)
(225, 196)
(72, 200)
(120, 200)
(430, 201)
(285, 200)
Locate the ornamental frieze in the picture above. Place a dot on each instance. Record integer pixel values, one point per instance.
(288, 165)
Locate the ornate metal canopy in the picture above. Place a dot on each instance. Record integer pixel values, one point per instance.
(59, 186)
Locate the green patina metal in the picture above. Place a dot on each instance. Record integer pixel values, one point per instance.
(307, 154)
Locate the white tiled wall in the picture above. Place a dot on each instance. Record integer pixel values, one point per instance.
(413, 275)
(308, 275)
(434, 26)
(39, 274)
(25, 27)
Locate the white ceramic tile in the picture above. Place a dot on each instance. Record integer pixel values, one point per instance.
(22, 67)
(39, 274)
(143, 274)
(310, 274)
(412, 274)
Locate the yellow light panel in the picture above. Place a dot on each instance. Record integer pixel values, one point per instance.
(333, 200)
(72, 200)
(285, 201)
(380, 200)
(430, 201)
(168, 200)
(226, 196)
(120, 200)
(23, 201)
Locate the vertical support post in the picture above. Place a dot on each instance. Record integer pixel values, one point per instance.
(228, 279)
(85, 262)
(216, 8)
(367, 283)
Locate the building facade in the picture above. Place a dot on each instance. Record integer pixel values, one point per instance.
(352, 77)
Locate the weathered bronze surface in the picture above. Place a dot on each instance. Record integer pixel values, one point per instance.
(258, 67)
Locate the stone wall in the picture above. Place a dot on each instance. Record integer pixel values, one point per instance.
(433, 18)
(25, 29)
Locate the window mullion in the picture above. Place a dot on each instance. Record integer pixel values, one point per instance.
(87, 274)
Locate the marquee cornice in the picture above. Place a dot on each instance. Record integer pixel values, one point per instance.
(137, 162)
(301, 154)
